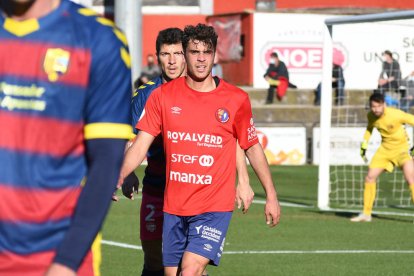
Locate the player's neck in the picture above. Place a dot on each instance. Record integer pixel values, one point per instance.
(33, 9)
(205, 85)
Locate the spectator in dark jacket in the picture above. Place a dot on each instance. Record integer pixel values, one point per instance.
(278, 77)
(390, 77)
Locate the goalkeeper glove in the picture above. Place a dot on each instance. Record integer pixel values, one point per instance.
(130, 185)
(412, 151)
(363, 150)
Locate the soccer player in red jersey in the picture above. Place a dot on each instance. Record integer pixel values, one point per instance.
(201, 119)
(170, 56)
(65, 97)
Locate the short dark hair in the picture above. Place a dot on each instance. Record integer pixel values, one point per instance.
(202, 33)
(377, 97)
(274, 54)
(168, 36)
(387, 52)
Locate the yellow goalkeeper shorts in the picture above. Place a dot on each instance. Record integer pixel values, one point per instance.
(388, 159)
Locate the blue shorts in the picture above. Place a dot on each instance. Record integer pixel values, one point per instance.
(202, 234)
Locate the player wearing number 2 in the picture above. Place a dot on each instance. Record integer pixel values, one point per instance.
(393, 151)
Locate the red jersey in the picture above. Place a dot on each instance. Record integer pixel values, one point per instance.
(200, 131)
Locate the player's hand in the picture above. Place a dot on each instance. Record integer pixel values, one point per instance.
(114, 197)
(272, 212)
(363, 150)
(412, 151)
(130, 186)
(244, 196)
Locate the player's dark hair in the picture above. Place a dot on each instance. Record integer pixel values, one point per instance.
(274, 54)
(168, 36)
(377, 97)
(202, 33)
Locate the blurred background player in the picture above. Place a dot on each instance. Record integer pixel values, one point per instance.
(199, 195)
(64, 115)
(171, 58)
(393, 151)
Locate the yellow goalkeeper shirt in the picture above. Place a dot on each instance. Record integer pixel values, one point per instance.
(391, 127)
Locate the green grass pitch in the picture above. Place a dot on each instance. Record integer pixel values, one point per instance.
(306, 242)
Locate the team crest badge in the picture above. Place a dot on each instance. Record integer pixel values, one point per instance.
(56, 63)
(222, 115)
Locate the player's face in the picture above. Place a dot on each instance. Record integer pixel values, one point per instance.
(171, 59)
(377, 108)
(200, 59)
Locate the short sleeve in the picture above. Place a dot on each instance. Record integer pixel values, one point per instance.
(107, 107)
(244, 126)
(151, 117)
(137, 107)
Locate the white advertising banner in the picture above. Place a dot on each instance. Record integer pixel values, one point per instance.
(346, 143)
(298, 40)
(364, 43)
(283, 145)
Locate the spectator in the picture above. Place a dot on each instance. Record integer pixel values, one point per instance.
(407, 89)
(338, 82)
(151, 71)
(390, 76)
(277, 76)
(69, 127)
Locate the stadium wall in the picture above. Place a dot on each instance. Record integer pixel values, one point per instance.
(232, 6)
(152, 24)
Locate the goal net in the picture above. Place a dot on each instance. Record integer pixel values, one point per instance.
(357, 43)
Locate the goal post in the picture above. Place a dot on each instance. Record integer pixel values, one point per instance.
(325, 173)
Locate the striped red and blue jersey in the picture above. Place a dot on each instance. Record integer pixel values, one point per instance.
(154, 177)
(64, 78)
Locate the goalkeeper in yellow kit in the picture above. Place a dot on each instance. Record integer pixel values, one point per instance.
(393, 151)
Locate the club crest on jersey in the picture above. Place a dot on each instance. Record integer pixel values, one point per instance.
(56, 63)
(222, 115)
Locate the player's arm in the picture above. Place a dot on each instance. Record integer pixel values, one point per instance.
(131, 181)
(135, 155)
(244, 192)
(103, 157)
(258, 161)
(364, 143)
(245, 131)
(407, 118)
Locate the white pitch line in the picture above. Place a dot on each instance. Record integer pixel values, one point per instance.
(136, 247)
(257, 201)
(285, 204)
(123, 245)
(321, 252)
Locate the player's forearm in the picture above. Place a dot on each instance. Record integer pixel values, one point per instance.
(367, 134)
(259, 164)
(241, 166)
(104, 159)
(136, 153)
